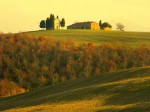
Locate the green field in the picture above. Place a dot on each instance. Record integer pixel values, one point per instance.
(133, 39)
(126, 91)
(123, 91)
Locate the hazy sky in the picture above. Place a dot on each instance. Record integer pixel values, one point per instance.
(25, 15)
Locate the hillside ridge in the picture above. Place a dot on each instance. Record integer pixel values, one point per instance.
(111, 89)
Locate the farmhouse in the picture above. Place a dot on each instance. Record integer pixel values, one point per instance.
(56, 24)
(84, 25)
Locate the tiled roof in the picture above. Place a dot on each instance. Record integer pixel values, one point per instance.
(82, 23)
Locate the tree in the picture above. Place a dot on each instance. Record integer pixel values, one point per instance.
(105, 24)
(52, 21)
(42, 24)
(57, 17)
(100, 23)
(62, 23)
(120, 26)
(48, 23)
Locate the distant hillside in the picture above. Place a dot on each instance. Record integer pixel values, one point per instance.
(133, 39)
(123, 91)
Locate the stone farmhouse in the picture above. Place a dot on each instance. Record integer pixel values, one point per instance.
(84, 25)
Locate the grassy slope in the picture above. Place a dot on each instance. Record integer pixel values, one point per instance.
(81, 36)
(127, 90)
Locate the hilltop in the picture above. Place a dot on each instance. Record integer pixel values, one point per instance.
(133, 39)
(126, 90)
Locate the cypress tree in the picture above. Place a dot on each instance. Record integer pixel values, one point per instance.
(47, 23)
(100, 23)
(53, 19)
(57, 17)
(62, 23)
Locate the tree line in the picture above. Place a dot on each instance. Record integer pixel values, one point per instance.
(27, 63)
(49, 22)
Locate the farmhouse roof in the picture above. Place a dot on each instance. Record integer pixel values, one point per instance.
(82, 23)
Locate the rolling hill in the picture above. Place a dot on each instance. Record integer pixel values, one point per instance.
(133, 39)
(126, 91)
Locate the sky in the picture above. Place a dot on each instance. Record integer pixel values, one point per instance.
(25, 15)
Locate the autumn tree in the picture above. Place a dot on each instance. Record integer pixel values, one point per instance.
(31, 62)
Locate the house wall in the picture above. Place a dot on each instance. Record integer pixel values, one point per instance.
(56, 24)
(95, 26)
(87, 26)
(92, 26)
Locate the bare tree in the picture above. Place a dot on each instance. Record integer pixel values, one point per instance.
(120, 26)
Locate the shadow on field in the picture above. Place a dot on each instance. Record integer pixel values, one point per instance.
(108, 84)
(139, 101)
(133, 109)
